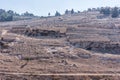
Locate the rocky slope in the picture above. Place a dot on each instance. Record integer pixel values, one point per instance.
(65, 44)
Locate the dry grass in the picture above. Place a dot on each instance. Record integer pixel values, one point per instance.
(59, 55)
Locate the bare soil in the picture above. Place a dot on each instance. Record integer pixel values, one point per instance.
(83, 45)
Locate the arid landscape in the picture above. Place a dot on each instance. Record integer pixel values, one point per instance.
(81, 46)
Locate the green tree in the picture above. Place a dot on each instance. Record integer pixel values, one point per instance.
(57, 13)
(28, 14)
(89, 9)
(115, 12)
(4, 16)
(106, 11)
(2, 11)
(48, 14)
(66, 12)
(78, 11)
(10, 12)
(72, 11)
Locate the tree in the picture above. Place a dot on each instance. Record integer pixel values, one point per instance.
(2, 11)
(72, 11)
(119, 11)
(98, 9)
(28, 14)
(9, 18)
(78, 11)
(16, 14)
(11, 15)
(93, 9)
(115, 12)
(57, 13)
(89, 9)
(10, 12)
(6, 17)
(48, 14)
(106, 11)
(66, 12)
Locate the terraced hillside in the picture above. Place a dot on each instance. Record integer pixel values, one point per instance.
(67, 44)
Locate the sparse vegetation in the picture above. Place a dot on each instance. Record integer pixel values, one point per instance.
(62, 44)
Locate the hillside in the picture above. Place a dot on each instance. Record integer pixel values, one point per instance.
(79, 43)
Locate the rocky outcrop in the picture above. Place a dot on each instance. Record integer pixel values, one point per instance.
(39, 33)
(44, 33)
(104, 47)
(19, 30)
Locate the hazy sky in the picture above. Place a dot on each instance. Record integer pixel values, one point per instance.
(42, 7)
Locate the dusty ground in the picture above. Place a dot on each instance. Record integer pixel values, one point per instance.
(90, 45)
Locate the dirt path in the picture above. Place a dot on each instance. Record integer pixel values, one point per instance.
(63, 74)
